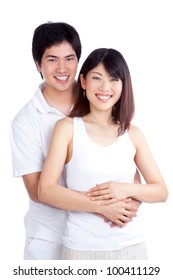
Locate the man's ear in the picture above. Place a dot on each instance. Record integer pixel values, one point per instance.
(38, 67)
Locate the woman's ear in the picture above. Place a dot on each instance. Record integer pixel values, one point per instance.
(83, 82)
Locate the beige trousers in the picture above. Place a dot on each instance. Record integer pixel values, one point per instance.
(135, 252)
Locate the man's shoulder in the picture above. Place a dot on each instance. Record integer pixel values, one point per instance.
(27, 112)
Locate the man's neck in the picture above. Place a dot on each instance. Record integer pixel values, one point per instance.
(63, 101)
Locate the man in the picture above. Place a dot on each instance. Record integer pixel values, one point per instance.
(56, 50)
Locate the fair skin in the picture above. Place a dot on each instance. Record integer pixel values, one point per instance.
(58, 67)
(112, 191)
(102, 92)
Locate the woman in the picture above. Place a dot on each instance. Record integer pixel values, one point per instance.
(101, 150)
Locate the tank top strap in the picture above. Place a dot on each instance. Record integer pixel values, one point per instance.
(78, 122)
(78, 127)
(78, 132)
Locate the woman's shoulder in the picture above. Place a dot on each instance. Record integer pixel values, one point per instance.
(135, 133)
(67, 121)
(133, 129)
(64, 126)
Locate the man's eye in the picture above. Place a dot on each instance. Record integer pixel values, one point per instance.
(52, 60)
(70, 58)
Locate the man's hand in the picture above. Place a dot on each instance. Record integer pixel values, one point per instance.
(121, 212)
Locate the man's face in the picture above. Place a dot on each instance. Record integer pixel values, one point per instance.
(58, 67)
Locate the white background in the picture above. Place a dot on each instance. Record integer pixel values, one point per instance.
(142, 31)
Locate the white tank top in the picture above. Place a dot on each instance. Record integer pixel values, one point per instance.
(93, 164)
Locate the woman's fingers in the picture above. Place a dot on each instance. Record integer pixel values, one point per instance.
(99, 194)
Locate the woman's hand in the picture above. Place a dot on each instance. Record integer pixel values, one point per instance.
(110, 192)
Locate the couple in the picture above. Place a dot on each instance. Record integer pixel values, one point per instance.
(98, 145)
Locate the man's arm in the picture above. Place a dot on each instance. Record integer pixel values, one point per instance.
(137, 180)
(31, 184)
(124, 211)
(121, 212)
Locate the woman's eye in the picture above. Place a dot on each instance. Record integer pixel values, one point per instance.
(115, 79)
(96, 78)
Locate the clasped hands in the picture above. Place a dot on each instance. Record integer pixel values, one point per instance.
(119, 208)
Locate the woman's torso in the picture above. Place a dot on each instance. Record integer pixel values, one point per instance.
(93, 164)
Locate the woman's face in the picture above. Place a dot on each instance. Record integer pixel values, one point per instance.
(102, 90)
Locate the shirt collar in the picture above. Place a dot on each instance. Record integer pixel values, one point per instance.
(40, 103)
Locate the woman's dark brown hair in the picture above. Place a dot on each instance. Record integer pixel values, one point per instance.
(115, 64)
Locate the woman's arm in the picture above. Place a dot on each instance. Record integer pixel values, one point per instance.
(155, 189)
(60, 153)
(56, 195)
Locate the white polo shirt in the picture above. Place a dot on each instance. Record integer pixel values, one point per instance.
(30, 136)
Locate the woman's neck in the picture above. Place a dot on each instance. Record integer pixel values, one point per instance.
(103, 118)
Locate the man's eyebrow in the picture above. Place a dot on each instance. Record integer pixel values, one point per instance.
(67, 56)
(70, 55)
(51, 56)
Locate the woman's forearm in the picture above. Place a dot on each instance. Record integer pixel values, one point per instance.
(120, 212)
(67, 199)
(115, 191)
(149, 192)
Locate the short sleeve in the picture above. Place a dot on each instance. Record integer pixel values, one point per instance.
(27, 154)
